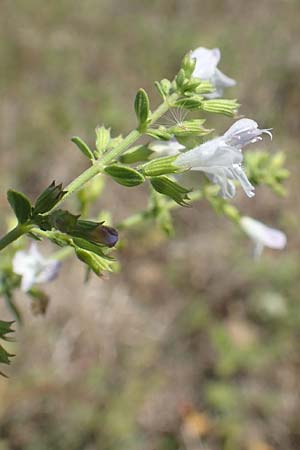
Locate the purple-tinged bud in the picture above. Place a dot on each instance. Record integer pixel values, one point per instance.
(104, 235)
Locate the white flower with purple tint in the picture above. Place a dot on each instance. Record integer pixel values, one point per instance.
(244, 132)
(34, 268)
(206, 69)
(221, 158)
(262, 235)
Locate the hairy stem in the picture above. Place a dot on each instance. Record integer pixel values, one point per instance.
(13, 235)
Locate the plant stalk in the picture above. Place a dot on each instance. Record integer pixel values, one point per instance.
(13, 235)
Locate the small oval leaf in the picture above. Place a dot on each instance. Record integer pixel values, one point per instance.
(83, 147)
(20, 204)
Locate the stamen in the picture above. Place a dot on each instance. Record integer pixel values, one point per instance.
(268, 132)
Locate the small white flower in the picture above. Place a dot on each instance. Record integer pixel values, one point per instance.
(262, 235)
(206, 69)
(34, 268)
(221, 158)
(166, 148)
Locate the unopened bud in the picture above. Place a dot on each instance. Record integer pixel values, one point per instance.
(49, 198)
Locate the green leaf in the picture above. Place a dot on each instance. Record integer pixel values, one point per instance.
(83, 147)
(5, 328)
(136, 154)
(170, 188)
(20, 204)
(141, 106)
(124, 175)
(4, 356)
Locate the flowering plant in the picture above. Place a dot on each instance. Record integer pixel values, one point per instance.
(169, 151)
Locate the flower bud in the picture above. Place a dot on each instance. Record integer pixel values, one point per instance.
(170, 188)
(180, 77)
(160, 166)
(63, 221)
(188, 64)
(96, 263)
(124, 175)
(104, 235)
(163, 87)
(141, 106)
(102, 139)
(221, 106)
(49, 198)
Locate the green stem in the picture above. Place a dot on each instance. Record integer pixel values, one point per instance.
(13, 235)
(130, 139)
(80, 181)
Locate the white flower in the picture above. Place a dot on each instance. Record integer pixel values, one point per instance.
(166, 148)
(221, 158)
(206, 69)
(262, 235)
(34, 268)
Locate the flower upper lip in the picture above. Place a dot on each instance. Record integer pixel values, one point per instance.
(244, 132)
(206, 69)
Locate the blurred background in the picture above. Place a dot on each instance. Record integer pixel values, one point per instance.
(193, 345)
